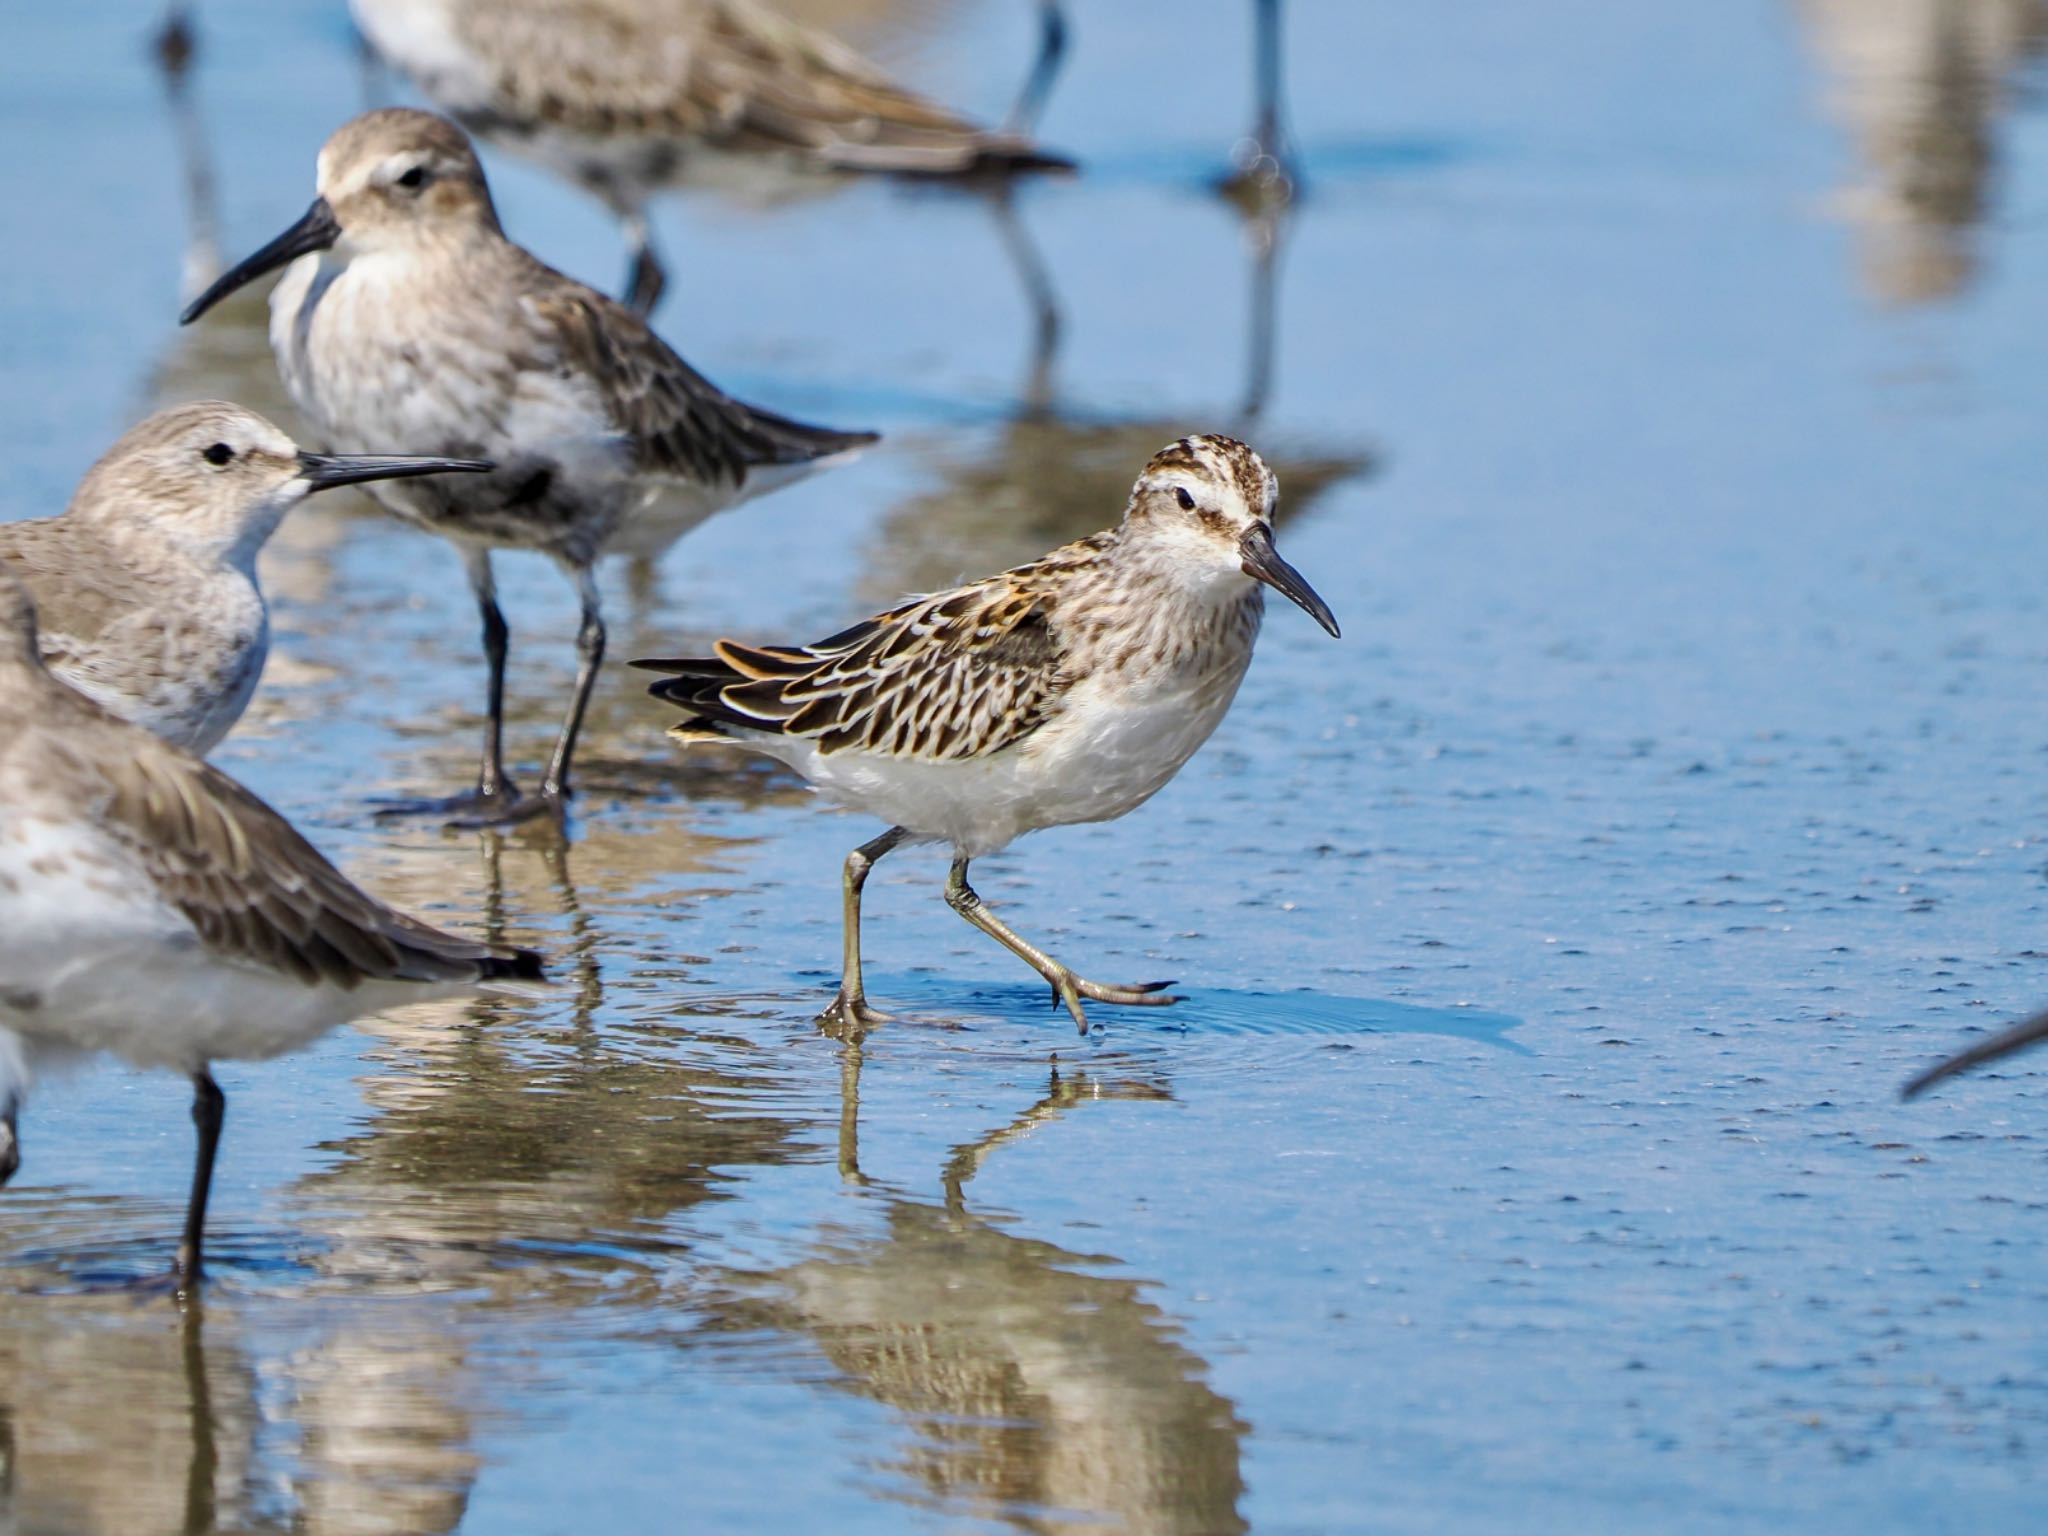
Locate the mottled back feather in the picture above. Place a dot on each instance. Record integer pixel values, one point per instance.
(948, 676)
(254, 890)
(730, 73)
(677, 421)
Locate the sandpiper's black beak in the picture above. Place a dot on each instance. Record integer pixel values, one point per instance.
(2018, 1037)
(1262, 562)
(322, 470)
(315, 232)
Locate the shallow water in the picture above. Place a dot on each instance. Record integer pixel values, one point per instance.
(1656, 397)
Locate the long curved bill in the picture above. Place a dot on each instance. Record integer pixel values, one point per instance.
(1262, 562)
(323, 470)
(2018, 1037)
(317, 231)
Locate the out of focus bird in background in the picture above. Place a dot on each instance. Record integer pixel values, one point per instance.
(626, 97)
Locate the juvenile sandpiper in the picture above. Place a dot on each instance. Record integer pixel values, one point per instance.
(1067, 690)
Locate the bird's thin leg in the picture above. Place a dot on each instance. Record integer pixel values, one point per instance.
(209, 1109)
(645, 278)
(491, 780)
(10, 1138)
(496, 798)
(590, 656)
(1052, 48)
(176, 38)
(1266, 128)
(849, 1011)
(1067, 987)
(1264, 171)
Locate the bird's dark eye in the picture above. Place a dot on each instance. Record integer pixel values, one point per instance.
(219, 453)
(414, 179)
(1187, 502)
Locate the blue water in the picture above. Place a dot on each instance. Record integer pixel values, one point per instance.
(1656, 397)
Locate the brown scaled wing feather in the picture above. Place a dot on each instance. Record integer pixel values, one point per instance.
(255, 890)
(678, 422)
(737, 76)
(956, 675)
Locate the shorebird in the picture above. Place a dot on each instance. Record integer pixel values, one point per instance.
(2017, 1037)
(1066, 690)
(625, 97)
(147, 583)
(153, 909)
(408, 319)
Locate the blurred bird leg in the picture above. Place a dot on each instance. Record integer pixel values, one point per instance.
(1052, 50)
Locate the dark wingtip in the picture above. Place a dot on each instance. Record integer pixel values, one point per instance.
(515, 965)
(1016, 157)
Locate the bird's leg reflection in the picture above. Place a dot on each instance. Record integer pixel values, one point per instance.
(1036, 395)
(203, 1470)
(1027, 1379)
(1061, 1095)
(850, 1056)
(1264, 227)
(583, 937)
(1045, 68)
(583, 932)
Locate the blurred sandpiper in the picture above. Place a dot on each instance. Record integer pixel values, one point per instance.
(147, 583)
(409, 320)
(153, 909)
(1067, 690)
(624, 97)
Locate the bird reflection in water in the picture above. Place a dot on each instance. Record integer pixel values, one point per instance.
(1920, 86)
(1055, 472)
(1036, 1391)
(121, 1420)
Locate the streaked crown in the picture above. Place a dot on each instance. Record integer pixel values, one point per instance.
(1208, 482)
(397, 170)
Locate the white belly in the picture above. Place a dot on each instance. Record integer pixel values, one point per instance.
(1108, 752)
(92, 959)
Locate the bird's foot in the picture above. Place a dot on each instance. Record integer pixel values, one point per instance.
(550, 805)
(850, 1017)
(644, 284)
(1068, 990)
(1262, 180)
(174, 42)
(502, 806)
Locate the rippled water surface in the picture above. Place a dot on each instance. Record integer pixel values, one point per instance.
(1657, 395)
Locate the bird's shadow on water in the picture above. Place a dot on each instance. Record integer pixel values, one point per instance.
(1204, 1013)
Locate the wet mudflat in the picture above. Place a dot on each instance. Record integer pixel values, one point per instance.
(1656, 396)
